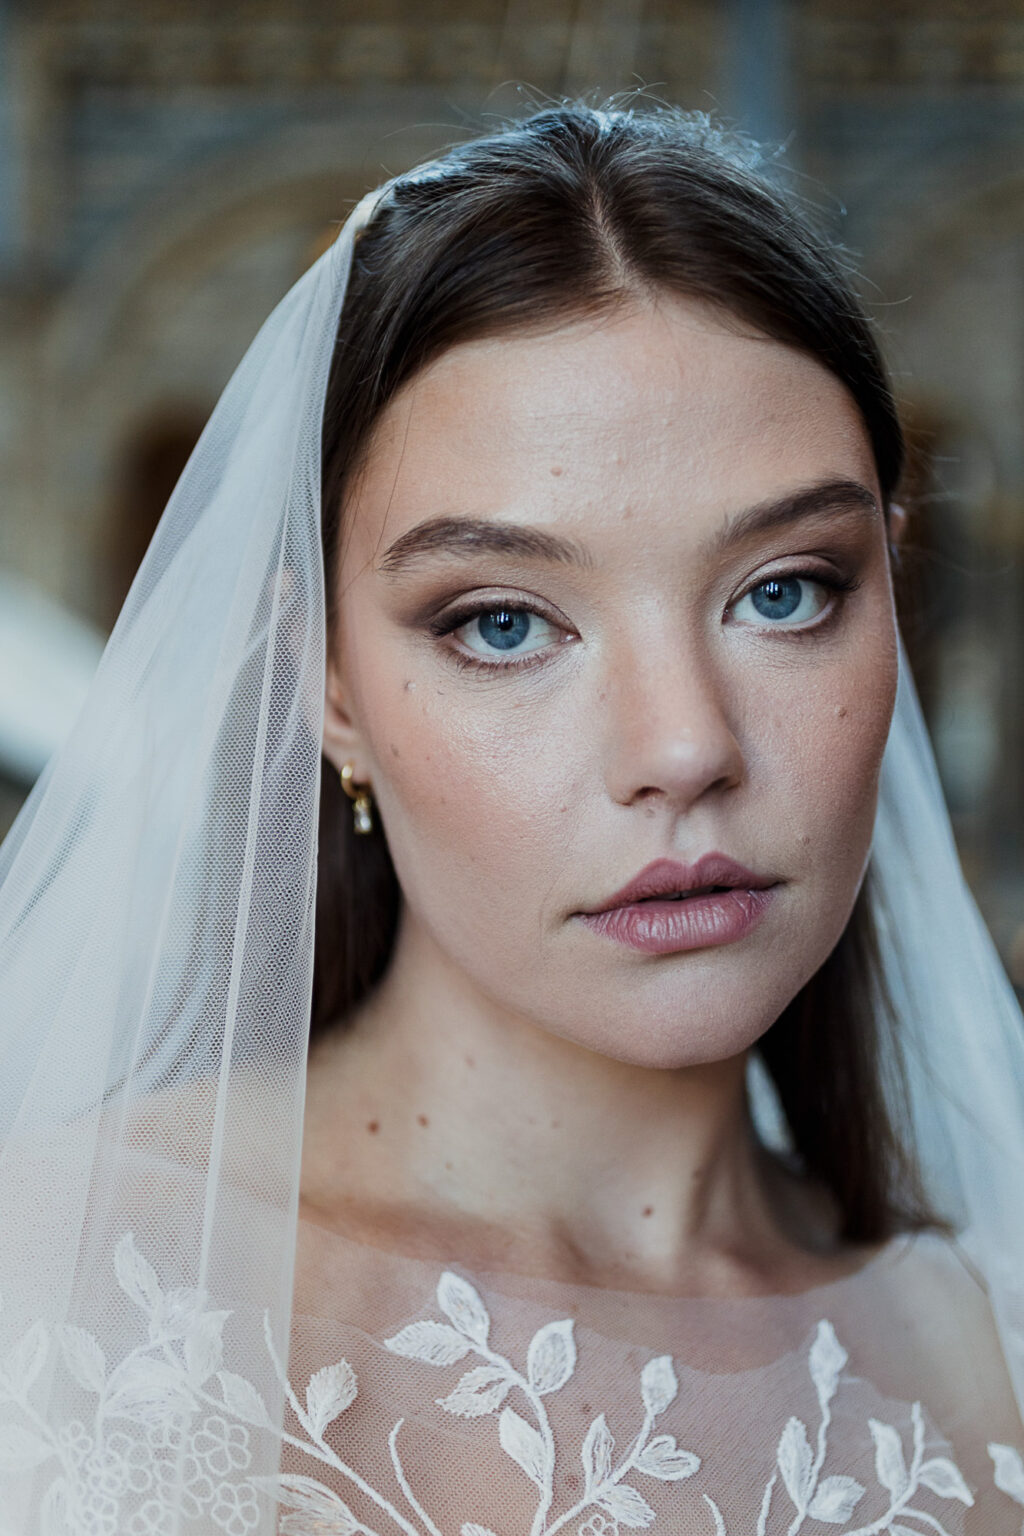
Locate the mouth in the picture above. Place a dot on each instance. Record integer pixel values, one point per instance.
(670, 907)
(668, 880)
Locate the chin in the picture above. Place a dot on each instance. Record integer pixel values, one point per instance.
(667, 1038)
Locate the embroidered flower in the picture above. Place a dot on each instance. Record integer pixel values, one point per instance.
(153, 1519)
(599, 1525)
(132, 1460)
(235, 1508)
(184, 1480)
(74, 1441)
(221, 1446)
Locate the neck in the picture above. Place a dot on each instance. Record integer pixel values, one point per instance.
(438, 1122)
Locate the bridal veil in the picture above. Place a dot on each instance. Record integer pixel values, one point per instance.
(179, 1354)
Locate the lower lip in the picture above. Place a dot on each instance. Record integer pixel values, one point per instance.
(695, 922)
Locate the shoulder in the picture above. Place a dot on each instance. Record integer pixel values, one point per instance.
(945, 1333)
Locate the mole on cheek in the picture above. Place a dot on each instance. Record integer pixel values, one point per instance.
(556, 469)
(841, 711)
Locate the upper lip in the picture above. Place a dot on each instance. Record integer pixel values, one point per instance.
(667, 877)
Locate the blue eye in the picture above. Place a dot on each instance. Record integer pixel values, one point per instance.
(782, 599)
(498, 630)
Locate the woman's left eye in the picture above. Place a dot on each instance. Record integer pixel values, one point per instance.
(791, 600)
(496, 632)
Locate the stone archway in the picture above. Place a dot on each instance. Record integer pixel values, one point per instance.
(151, 333)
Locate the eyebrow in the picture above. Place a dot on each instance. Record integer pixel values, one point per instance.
(469, 536)
(464, 537)
(837, 495)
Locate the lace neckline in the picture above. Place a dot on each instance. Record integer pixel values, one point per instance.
(554, 1292)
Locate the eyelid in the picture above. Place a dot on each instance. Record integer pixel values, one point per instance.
(460, 610)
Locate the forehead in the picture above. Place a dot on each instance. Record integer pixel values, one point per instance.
(635, 412)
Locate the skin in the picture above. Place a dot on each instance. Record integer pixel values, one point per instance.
(518, 1085)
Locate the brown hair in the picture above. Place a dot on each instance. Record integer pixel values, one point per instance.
(564, 214)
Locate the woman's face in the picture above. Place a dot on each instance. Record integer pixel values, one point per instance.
(612, 597)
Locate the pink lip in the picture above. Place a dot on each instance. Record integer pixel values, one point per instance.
(636, 917)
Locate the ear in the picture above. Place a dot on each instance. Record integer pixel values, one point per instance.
(343, 741)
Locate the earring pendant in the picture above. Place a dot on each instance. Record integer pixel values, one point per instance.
(362, 803)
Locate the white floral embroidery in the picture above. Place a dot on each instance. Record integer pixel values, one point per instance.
(1008, 1472)
(171, 1434)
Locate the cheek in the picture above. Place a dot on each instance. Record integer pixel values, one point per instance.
(472, 783)
(827, 761)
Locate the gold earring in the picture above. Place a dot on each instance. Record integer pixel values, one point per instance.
(359, 794)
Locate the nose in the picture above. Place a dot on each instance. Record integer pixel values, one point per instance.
(669, 736)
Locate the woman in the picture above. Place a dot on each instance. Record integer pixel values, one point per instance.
(641, 1121)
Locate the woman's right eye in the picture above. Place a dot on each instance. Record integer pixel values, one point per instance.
(499, 631)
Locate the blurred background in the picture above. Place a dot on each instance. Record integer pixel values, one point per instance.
(169, 167)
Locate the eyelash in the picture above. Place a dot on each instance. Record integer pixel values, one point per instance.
(463, 661)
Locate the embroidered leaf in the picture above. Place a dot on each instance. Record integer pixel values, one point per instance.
(626, 1506)
(796, 1463)
(176, 1313)
(55, 1518)
(943, 1477)
(26, 1359)
(203, 1347)
(597, 1453)
(135, 1275)
(470, 1528)
(1008, 1471)
(329, 1393)
(551, 1358)
(482, 1390)
(827, 1359)
(658, 1384)
(835, 1500)
(242, 1399)
(524, 1444)
(890, 1467)
(662, 1458)
(20, 1449)
(460, 1303)
(322, 1513)
(433, 1343)
(83, 1358)
(147, 1390)
(317, 1525)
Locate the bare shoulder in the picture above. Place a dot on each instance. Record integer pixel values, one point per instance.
(947, 1328)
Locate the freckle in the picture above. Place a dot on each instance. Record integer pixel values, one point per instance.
(841, 711)
(648, 1210)
(448, 1167)
(422, 1120)
(556, 1125)
(394, 751)
(470, 1061)
(373, 1126)
(556, 469)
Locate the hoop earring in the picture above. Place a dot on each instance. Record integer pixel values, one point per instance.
(362, 801)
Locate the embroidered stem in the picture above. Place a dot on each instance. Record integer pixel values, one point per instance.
(403, 1481)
